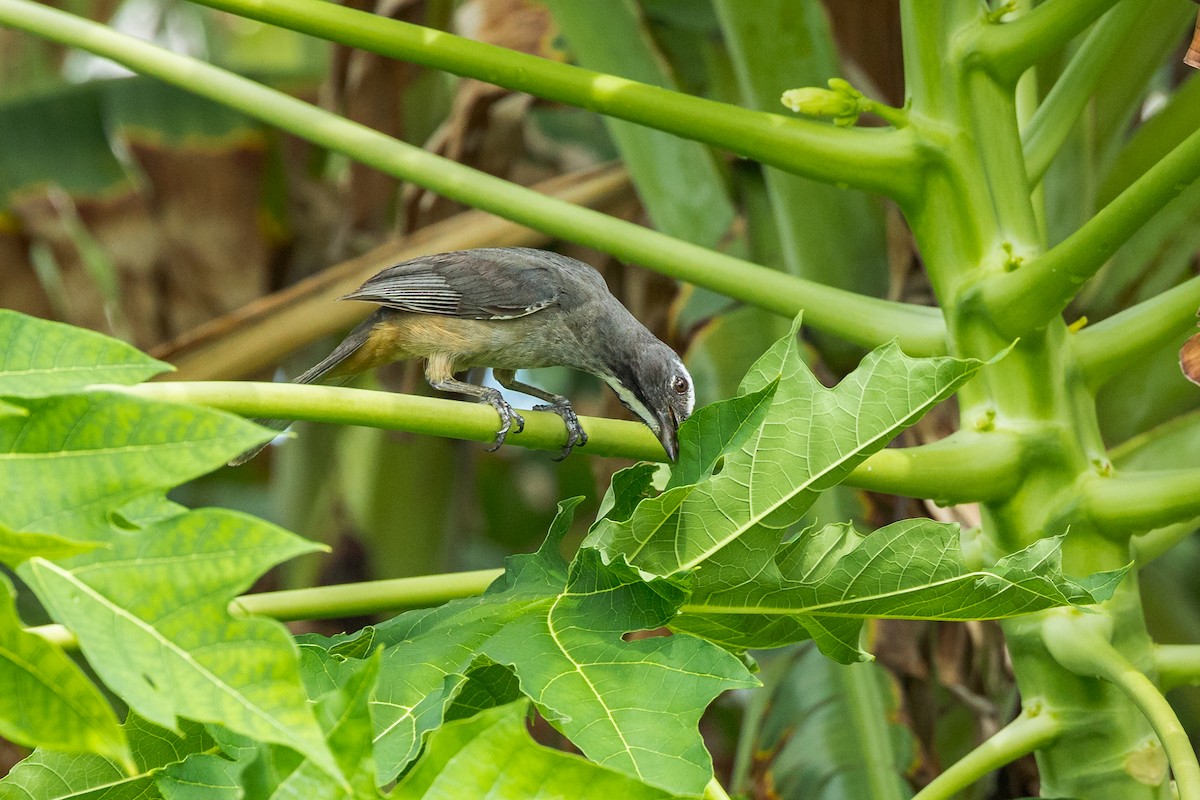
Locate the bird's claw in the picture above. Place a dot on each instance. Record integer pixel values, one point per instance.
(576, 436)
(508, 417)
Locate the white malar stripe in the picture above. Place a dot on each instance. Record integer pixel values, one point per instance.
(633, 404)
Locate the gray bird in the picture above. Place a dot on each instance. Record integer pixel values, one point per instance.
(512, 308)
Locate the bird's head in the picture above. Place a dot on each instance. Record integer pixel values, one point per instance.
(654, 384)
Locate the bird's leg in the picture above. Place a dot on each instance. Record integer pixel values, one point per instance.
(555, 402)
(488, 395)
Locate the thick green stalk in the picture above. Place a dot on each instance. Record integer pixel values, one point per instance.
(1152, 544)
(1108, 348)
(365, 597)
(1106, 749)
(977, 221)
(432, 416)
(1032, 730)
(867, 713)
(865, 321)
(1081, 643)
(333, 602)
(875, 160)
(1007, 49)
(959, 469)
(999, 147)
(1059, 113)
(966, 467)
(1177, 665)
(1029, 297)
(1132, 502)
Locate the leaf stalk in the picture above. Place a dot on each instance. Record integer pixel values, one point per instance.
(1032, 730)
(1080, 645)
(861, 320)
(875, 160)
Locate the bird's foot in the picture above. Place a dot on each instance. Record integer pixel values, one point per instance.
(576, 436)
(508, 417)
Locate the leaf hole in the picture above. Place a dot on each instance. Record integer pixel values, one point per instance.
(633, 636)
(718, 465)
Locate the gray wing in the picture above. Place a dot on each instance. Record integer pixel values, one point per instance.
(487, 283)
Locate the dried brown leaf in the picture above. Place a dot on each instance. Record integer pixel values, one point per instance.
(1189, 358)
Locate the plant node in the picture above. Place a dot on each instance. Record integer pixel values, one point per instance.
(1012, 261)
(996, 14)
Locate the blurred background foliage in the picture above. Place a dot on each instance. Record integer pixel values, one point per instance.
(219, 245)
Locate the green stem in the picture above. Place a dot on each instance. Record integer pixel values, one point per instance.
(1031, 296)
(999, 143)
(1177, 665)
(1139, 501)
(367, 597)
(1110, 347)
(332, 602)
(715, 791)
(862, 320)
(961, 468)
(57, 635)
(865, 714)
(876, 160)
(1035, 728)
(431, 416)
(1082, 646)
(1059, 113)
(1152, 544)
(1007, 49)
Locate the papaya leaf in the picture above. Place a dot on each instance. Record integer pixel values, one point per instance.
(809, 439)
(628, 705)
(48, 701)
(75, 459)
(340, 689)
(492, 755)
(55, 775)
(42, 358)
(202, 775)
(151, 616)
(831, 580)
(18, 547)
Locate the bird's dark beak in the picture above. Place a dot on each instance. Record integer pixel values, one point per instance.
(667, 433)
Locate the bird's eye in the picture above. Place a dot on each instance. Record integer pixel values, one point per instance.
(680, 384)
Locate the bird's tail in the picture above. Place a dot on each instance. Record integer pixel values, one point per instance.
(314, 374)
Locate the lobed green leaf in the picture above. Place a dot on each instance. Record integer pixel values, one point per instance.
(492, 755)
(830, 580)
(41, 358)
(771, 471)
(16, 548)
(628, 705)
(73, 460)
(47, 700)
(150, 613)
(55, 775)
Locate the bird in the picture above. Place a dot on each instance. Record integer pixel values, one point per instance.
(511, 308)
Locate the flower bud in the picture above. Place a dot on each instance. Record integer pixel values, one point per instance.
(841, 102)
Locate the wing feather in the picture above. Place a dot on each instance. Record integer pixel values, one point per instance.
(487, 283)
